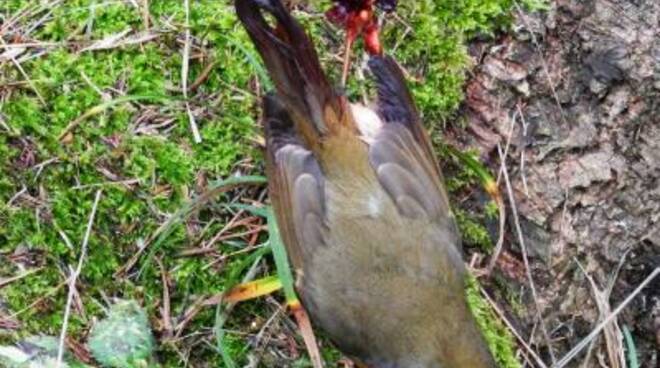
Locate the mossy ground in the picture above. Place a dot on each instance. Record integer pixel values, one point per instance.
(141, 153)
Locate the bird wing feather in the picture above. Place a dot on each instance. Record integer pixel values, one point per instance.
(401, 154)
(296, 184)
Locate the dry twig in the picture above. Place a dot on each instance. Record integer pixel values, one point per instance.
(9, 280)
(613, 334)
(74, 277)
(515, 333)
(166, 309)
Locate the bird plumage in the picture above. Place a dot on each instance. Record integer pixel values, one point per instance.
(362, 210)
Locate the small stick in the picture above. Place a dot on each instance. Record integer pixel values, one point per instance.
(613, 334)
(202, 76)
(307, 332)
(27, 77)
(9, 280)
(515, 333)
(37, 301)
(73, 278)
(145, 14)
(165, 311)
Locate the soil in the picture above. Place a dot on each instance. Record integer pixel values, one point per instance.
(575, 91)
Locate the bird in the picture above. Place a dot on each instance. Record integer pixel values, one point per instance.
(360, 203)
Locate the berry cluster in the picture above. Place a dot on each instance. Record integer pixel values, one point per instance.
(357, 17)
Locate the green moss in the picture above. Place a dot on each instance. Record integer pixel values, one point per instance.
(472, 231)
(434, 49)
(499, 339)
(151, 141)
(105, 148)
(19, 299)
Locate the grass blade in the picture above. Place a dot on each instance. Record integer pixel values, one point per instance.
(287, 282)
(221, 316)
(253, 289)
(633, 361)
(281, 260)
(252, 60)
(278, 249)
(490, 186)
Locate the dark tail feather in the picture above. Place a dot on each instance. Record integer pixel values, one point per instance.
(395, 103)
(291, 60)
(394, 100)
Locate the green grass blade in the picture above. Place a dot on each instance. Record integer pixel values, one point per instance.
(633, 361)
(281, 259)
(234, 276)
(279, 251)
(254, 62)
(490, 186)
(221, 316)
(475, 166)
(220, 338)
(257, 211)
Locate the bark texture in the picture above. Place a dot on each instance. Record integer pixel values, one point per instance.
(576, 92)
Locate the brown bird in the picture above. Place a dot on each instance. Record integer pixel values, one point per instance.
(362, 210)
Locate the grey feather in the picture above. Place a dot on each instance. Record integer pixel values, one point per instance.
(404, 171)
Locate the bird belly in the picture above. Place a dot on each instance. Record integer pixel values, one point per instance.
(382, 280)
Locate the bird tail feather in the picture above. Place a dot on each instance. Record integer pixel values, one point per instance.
(294, 67)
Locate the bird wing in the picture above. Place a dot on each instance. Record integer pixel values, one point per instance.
(396, 105)
(401, 154)
(296, 184)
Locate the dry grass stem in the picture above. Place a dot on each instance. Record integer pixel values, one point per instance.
(184, 74)
(166, 314)
(544, 64)
(73, 278)
(563, 362)
(523, 247)
(612, 332)
(6, 281)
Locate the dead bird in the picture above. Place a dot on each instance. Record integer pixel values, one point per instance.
(362, 209)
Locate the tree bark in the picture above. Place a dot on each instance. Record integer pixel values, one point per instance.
(576, 92)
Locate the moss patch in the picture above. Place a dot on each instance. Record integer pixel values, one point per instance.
(142, 155)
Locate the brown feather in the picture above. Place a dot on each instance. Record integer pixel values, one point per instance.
(292, 63)
(362, 210)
